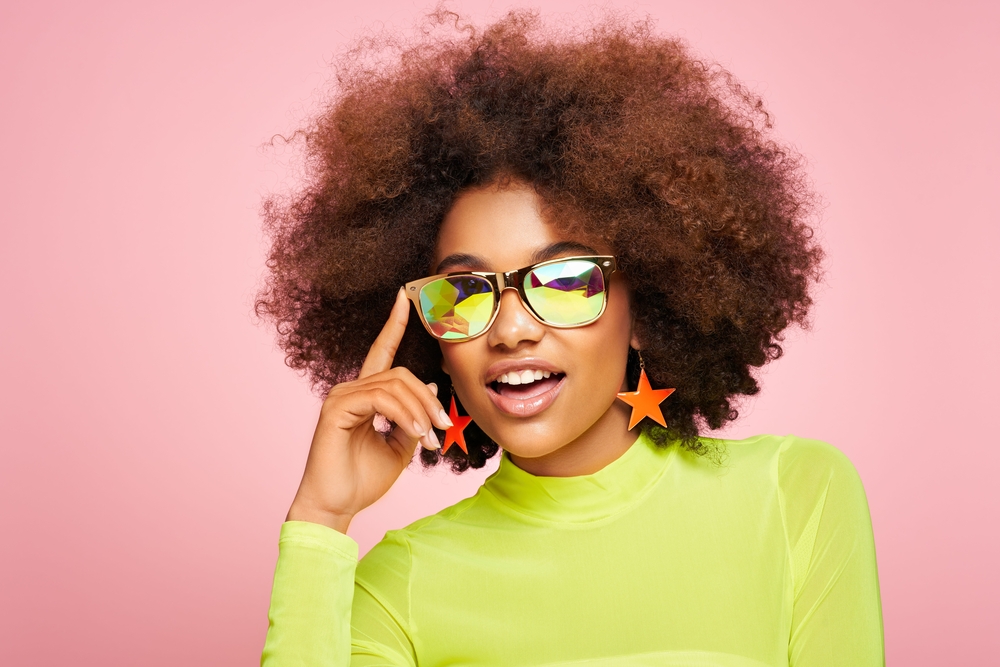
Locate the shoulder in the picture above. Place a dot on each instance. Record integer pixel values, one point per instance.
(392, 556)
(786, 455)
(819, 490)
(801, 470)
(805, 464)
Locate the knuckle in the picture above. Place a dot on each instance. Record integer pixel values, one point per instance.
(386, 398)
(402, 372)
(342, 388)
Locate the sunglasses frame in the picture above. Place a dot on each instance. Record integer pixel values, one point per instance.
(502, 280)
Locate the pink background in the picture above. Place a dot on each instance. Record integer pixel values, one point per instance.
(152, 438)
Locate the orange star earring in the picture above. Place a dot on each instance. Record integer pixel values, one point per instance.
(645, 400)
(455, 433)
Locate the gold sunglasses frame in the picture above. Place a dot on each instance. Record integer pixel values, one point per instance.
(502, 280)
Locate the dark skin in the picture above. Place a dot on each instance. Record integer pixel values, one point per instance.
(579, 431)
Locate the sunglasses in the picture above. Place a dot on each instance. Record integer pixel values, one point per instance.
(563, 293)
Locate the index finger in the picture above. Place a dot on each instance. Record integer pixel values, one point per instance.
(383, 350)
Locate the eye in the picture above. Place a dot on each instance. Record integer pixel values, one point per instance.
(473, 285)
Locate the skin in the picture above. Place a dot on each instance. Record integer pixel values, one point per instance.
(351, 465)
(586, 427)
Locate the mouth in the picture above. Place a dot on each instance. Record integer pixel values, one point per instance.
(525, 392)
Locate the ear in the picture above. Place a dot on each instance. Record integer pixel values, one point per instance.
(444, 366)
(634, 339)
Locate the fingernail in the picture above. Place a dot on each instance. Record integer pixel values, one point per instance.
(433, 387)
(419, 429)
(445, 418)
(432, 439)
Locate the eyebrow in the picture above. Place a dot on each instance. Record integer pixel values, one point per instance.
(477, 263)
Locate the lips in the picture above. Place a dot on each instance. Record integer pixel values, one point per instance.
(524, 399)
(526, 391)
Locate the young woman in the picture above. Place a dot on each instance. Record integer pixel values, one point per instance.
(585, 245)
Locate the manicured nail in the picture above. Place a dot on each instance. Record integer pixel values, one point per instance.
(433, 387)
(433, 440)
(445, 418)
(419, 429)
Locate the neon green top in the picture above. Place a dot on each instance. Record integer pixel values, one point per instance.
(660, 558)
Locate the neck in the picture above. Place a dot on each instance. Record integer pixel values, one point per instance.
(598, 446)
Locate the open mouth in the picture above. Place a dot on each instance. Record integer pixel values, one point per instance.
(526, 392)
(526, 384)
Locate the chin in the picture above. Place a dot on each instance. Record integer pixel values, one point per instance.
(531, 449)
(533, 440)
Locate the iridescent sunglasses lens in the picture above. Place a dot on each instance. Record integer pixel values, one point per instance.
(457, 307)
(566, 293)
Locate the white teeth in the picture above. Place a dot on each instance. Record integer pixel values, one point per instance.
(523, 377)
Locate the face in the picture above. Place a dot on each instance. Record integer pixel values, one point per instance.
(492, 229)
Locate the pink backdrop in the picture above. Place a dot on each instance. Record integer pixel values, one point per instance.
(152, 438)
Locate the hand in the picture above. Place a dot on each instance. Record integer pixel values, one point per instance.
(350, 464)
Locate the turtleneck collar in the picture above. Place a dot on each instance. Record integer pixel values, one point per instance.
(584, 498)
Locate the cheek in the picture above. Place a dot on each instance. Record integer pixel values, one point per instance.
(457, 359)
(618, 315)
(610, 349)
(610, 346)
(601, 350)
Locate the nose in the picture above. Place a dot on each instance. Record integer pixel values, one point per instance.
(514, 325)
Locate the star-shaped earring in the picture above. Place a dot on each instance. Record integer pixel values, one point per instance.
(455, 434)
(645, 400)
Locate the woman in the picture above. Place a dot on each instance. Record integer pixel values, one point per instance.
(599, 244)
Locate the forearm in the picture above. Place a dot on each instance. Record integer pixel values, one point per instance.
(310, 614)
(302, 511)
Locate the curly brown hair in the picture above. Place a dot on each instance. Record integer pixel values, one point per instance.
(626, 137)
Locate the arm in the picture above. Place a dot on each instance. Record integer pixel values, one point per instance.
(315, 603)
(837, 613)
(350, 466)
(309, 622)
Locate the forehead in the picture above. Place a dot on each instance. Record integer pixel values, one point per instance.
(504, 227)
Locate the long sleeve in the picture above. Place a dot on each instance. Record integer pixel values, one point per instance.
(319, 616)
(309, 622)
(763, 557)
(837, 613)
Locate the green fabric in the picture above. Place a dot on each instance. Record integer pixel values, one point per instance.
(661, 558)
